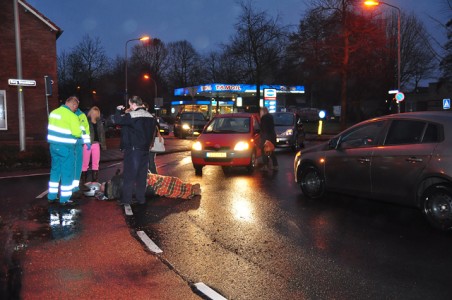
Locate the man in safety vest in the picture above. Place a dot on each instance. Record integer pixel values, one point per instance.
(84, 127)
(63, 134)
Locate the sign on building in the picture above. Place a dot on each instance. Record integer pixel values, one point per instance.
(446, 103)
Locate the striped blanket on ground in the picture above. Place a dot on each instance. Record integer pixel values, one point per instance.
(169, 186)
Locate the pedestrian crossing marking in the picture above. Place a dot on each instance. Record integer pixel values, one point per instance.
(446, 103)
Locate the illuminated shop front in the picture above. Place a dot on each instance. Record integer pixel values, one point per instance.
(226, 98)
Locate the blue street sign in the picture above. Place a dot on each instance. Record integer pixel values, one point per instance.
(446, 103)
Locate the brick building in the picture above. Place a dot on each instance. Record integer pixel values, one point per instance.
(38, 37)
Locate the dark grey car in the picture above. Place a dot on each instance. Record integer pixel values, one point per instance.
(402, 158)
(289, 130)
(189, 124)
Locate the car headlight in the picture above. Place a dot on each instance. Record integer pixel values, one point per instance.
(197, 146)
(241, 146)
(288, 132)
(185, 126)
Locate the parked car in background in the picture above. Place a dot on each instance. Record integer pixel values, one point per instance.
(164, 127)
(228, 140)
(189, 124)
(402, 158)
(289, 130)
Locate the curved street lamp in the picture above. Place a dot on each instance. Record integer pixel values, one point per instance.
(376, 3)
(143, 38)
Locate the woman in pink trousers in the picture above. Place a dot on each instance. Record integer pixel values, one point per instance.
(97, 132)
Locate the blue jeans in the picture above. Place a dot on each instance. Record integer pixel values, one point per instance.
(135, 175)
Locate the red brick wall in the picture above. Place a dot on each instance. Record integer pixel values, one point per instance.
(38, 45)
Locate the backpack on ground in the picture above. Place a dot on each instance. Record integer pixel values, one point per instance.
(113, 187)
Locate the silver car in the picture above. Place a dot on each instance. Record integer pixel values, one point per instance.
(402, 158)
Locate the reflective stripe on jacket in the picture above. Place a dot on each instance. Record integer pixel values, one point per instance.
(63, 127)
(84, 126)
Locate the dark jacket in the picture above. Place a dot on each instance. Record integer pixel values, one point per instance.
(137, 129)
(267, 129)
(100, 133)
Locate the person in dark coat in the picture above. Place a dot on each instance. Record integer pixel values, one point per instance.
(137, 134)
(267, 133)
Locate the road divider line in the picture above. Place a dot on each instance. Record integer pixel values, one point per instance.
(207, 291)
(42, 194)
(148, 242)
(128, 210)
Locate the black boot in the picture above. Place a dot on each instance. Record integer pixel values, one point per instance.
(82, 182)
(95, 176)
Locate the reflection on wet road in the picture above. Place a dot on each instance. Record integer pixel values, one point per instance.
(64, 222)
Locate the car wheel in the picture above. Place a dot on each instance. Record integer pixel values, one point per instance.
(198, 169)
(437, 206)
(311, 182)
(253, 162)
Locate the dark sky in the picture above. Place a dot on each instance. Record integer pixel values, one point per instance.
(204, 23)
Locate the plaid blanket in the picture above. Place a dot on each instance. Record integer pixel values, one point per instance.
(169, 186)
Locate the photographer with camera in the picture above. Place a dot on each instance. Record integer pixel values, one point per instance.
(137, 133)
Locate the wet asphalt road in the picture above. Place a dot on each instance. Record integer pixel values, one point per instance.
(256, 237)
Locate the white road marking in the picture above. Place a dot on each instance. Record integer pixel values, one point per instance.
(148, 242)
(203, 288)
(128, 210)
(42, 194)
(24, 175)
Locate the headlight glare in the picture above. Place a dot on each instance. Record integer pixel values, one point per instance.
(241, 146)
(185, 126)
(288, 132)
(197, 146)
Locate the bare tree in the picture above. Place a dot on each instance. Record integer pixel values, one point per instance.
(82, 67)
(258, 45)
(183, 65)
(153, 56)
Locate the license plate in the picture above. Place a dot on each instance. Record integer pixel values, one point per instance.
(216, 154)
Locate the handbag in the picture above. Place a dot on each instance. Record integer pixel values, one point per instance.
(268, 147)
(159, 144)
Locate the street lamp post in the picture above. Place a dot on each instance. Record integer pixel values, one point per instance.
(147, 76)
(143, 38)
(376, 3)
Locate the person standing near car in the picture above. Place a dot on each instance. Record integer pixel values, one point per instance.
(137, 133)
(63, 134)
(97, 136)
(267, 133)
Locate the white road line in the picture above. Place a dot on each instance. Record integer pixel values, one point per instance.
(128, 210)
(42, 194)
(24, 175)
(207, 291)
(148, 242)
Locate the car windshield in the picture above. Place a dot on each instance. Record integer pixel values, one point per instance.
(229, 125)
(190, 116)
(283, 119)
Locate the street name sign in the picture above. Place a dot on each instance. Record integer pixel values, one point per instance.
(22, 82)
